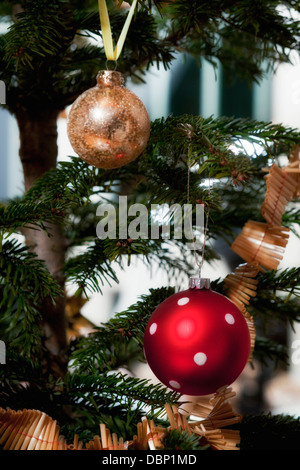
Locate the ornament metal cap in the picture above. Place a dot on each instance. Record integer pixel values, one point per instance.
(199, 283)
(110, 78)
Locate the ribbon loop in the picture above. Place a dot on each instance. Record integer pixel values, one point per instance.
(111, 52)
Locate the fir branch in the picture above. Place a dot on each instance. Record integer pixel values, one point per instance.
(36, 56)
(269, 432)
(205, 136)
(90, 270)
(24, 271)
(287, 280)
(257, 131)
(134, 319)
(267, 310)
(291, 219)
(5, 8)
(117, 394)
(32, 215)
(42, 29)
(267, 351)
(93, 268)
(32, 394)
(179, 440)
(72, 183)
(209, 142)
(99, 349)
(19, 370)
(162, 179)
(277, 298)
(233, 33)
(24, 281)
(123, 251)
(142, 47)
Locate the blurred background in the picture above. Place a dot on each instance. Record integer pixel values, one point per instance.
(189, 89)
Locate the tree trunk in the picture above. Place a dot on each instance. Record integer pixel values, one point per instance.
(38, 153)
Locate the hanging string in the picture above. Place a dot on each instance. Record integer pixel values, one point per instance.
(199, 264)
(205, 234)
(111, 52)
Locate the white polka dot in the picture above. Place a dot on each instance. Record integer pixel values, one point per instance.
(174, 384)
(200, 358)
(153, 328)
(183, 301)
(229, 318)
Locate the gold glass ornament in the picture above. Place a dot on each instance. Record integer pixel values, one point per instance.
(108, 125)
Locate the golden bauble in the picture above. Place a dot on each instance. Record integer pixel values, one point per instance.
(108, 125)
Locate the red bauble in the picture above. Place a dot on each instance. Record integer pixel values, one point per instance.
(197, 341)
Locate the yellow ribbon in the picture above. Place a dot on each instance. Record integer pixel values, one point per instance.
(110, 52)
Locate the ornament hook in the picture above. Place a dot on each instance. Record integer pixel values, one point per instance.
(115, 67)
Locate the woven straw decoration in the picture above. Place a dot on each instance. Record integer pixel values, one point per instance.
(35, 430)
(28, 430)
(260, 244)
(241, 286)
(281, 187)
(217, 413)
(264, 243)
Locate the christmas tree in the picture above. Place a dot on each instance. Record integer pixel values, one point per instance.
(53, 374)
